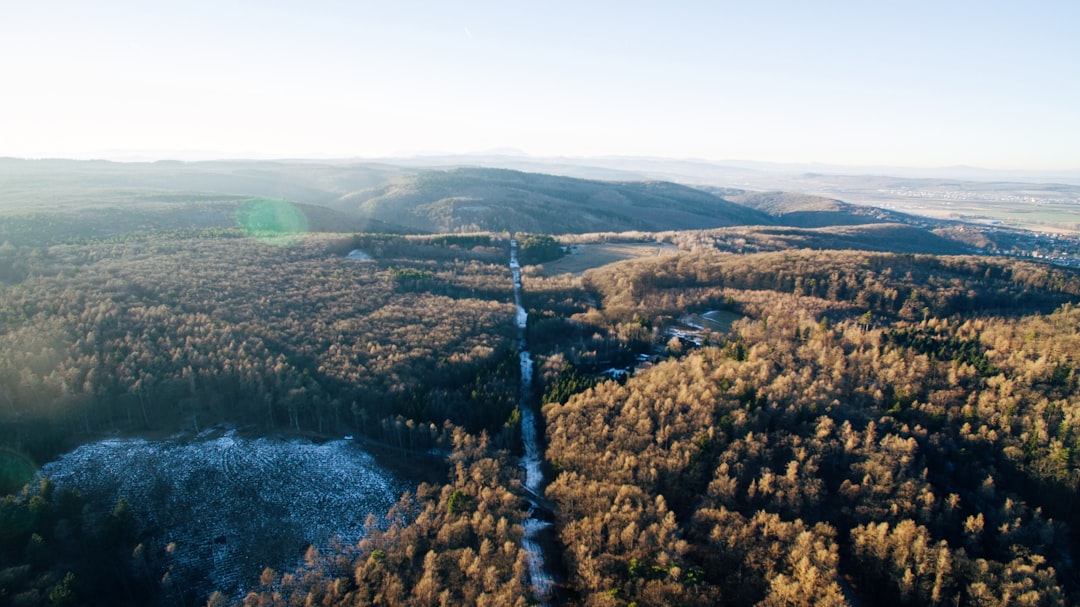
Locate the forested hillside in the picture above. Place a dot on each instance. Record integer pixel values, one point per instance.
(407, 343)
(898, 286)
(844, 444)
(925, 450)
(493, 199)
(806, 211)
(889, 237)
(180, 332)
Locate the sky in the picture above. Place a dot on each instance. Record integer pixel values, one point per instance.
(918, 84)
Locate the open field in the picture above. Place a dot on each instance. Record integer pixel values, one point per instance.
(1052, 206)
(1038, 218)
(1048, 207)
(714, 320)
(1053, 218)
(587, 256)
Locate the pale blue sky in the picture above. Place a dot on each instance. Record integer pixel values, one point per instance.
(992, 84)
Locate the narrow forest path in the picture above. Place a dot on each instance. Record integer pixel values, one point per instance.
(532, 459)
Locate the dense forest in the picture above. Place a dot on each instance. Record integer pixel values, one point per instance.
(878, 422)
(56, 553)
(828, 447)
(183, 332)
(148, 335)
(880, 425)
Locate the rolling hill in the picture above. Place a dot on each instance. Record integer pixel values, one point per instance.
(68, 200)
(468, 199)
(809, 211)
(885, 237)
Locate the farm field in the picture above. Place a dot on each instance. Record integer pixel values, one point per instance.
(1058, 218)
(587, 256)
(1061, 219)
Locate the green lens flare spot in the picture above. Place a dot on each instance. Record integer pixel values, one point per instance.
(16, 470)
(274, 222)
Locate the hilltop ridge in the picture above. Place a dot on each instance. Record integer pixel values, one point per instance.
(468, 199)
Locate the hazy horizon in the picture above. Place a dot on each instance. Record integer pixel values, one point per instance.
(922, 85)
(512, 159)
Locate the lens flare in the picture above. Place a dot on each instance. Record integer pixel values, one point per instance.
(275, 222)
(16, 470)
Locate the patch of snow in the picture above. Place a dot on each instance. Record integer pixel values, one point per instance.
(689, 321)
(686, 336)
(542, 584)
(614, 373)
(232, 505)
(530, 461)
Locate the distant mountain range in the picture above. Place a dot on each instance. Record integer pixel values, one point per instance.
(115, 198)
(700, 171)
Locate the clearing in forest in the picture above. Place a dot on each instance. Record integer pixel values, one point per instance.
(587, 256)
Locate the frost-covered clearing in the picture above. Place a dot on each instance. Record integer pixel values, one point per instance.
(232, 505)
